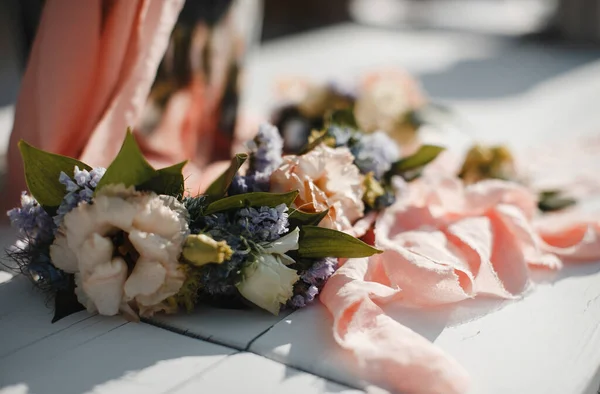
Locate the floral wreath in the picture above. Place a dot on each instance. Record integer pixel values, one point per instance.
(128, 239)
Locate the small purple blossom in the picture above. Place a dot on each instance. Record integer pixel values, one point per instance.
(311, 281)
(95, 175)
(266, 152)
(375, 153)
(303, 297)
(80, 188)
(341, 135)
(320, 271)
(264, 224)
(31, 219)
(239, 185)
(267, 148)
(297, 302)
(311, 293)
(258, 182)
(68, 182)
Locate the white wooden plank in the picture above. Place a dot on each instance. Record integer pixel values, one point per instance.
(108, 355)
(304, 340)
(234, 328)
(25, 316)
(249, 373)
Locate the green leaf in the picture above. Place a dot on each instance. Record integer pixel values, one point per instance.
(552, 200)
(298, 218)
(258, 199)
(129, 167)
(219, 187)
(343, 117)
(314, 143)
(318, 242)
(168, 180)
(425, 155)
(42, 170)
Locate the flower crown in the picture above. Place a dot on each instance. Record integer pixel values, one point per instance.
(129, 240)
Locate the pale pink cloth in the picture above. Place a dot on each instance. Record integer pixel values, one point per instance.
(444, 243)
(88, 77)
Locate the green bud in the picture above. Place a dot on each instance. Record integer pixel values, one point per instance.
(373, 189)
(201, 249)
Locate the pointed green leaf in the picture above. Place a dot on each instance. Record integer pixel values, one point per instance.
(298, 218)
(258, 199)
(219, 187)
(168, 180)
(317, 242)
(42, 170)
(343, 117)
(553, 200)
(425, 155)
(129, 167)
(314, 143)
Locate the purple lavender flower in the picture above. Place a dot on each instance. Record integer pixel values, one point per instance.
(31, 219)
(265, 157)
(311, 281)
(297, 302)
(263, 224)
(320, 271)
(304, 296)
(266, 150)
(375, 153)
(95, 175)
(239, 185)
(80, 188)
(311, 293)
(341, 135)
(68, 182)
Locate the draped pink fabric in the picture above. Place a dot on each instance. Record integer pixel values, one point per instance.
(444, 242)
(88, 76)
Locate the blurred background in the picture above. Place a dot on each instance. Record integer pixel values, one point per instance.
(517, 43)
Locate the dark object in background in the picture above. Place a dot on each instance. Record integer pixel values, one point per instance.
(199, 77)
(294, 16)
(296, 121)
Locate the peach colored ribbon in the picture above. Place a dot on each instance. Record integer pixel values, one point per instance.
(444, 243)
(88, 78)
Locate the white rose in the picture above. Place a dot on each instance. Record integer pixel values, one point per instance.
(268, 283)
(101, 242)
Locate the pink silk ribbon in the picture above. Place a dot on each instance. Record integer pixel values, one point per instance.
(88, 78)
(443, 243)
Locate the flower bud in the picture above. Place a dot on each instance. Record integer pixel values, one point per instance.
(373, 190)
(201, 249)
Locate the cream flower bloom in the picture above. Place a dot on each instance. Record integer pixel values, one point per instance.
(141, 269)
(385, 98)
(268, 283)
(326, 179)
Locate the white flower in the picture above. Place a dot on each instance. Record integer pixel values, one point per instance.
(284, 244)
(124, 250)
(385, 99)
(268, 283)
